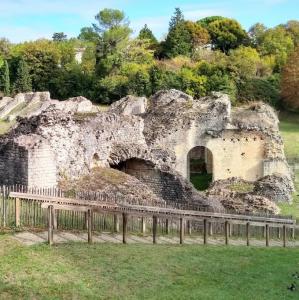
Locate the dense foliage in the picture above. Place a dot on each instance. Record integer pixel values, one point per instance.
(105, 62)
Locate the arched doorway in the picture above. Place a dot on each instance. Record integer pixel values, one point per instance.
(200, 167)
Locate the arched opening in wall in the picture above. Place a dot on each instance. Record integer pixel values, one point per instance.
(200, 167)
(136, 167)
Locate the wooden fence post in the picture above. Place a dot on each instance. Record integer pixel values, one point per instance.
(227, 231)
(167, 226)
(143, 225)
(189, 227)
(115, 223)
(17, 212)
(210, 228)
(182, 229)
(90, 225)
(293, 232)
(247, 233)
(50, 224)
(85, 225)
(154, 229)
(267, 234)
(205, 232)
(125, 223)
(230, 229)
(278, 232)
(55, 212)
(284, 235)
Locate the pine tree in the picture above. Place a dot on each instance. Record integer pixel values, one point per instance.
(23, 80)
(146, 34)
(4, 79)
(176, 19)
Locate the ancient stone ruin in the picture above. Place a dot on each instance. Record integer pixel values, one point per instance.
(155, 141)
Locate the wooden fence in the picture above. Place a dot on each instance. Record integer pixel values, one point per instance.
(70, 213)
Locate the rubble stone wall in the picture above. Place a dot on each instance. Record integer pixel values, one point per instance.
(13, 164)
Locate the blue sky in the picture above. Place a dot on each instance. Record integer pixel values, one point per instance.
(31, 19)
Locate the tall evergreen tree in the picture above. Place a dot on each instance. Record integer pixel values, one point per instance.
(176, 19)
(146, 34)
(178, 41)
(4, 79)
(23, 80)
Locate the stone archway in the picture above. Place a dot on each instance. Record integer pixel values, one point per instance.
(200, 167)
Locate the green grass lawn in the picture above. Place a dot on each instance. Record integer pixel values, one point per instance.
(289, 128)
(106, 271)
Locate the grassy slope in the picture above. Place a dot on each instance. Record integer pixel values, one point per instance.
(81, 271)
(289, 127)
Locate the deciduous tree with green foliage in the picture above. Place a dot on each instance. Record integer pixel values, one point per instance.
(277, 42)
(226, 34)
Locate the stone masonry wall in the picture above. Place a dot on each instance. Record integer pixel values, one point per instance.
(13, 164)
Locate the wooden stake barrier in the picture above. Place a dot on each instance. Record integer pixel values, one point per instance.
(50, 224)
(143, 225)
(90, 226)
(247, 233)
(227, 231)
(125, 223)
(167, 226)
(267, 234)
(182, 229)
(154, 229)
(205, 232)
(116, 223)
(210, 228)
(284, 235)
(189, 227)
(17, 212)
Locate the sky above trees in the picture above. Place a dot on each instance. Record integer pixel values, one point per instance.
(31, 19)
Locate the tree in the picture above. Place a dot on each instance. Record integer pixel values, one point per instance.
(290, 81)
(245, 62)
(146, 34)
(59, 37)
(227, 34)
(44, 59)
(176, 19)
(198, 34)
(178, 40)
(256, 33)
(293, 28)
(113, 29)
(23, 80)
(278, 43)
(4, 79)
(205, 22)
(5, 47)
(88, 34)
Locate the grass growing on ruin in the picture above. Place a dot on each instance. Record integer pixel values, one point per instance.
(242, 187)
(201, 181)
(106, 271)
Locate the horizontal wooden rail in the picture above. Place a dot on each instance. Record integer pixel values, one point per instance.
(161, 212)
